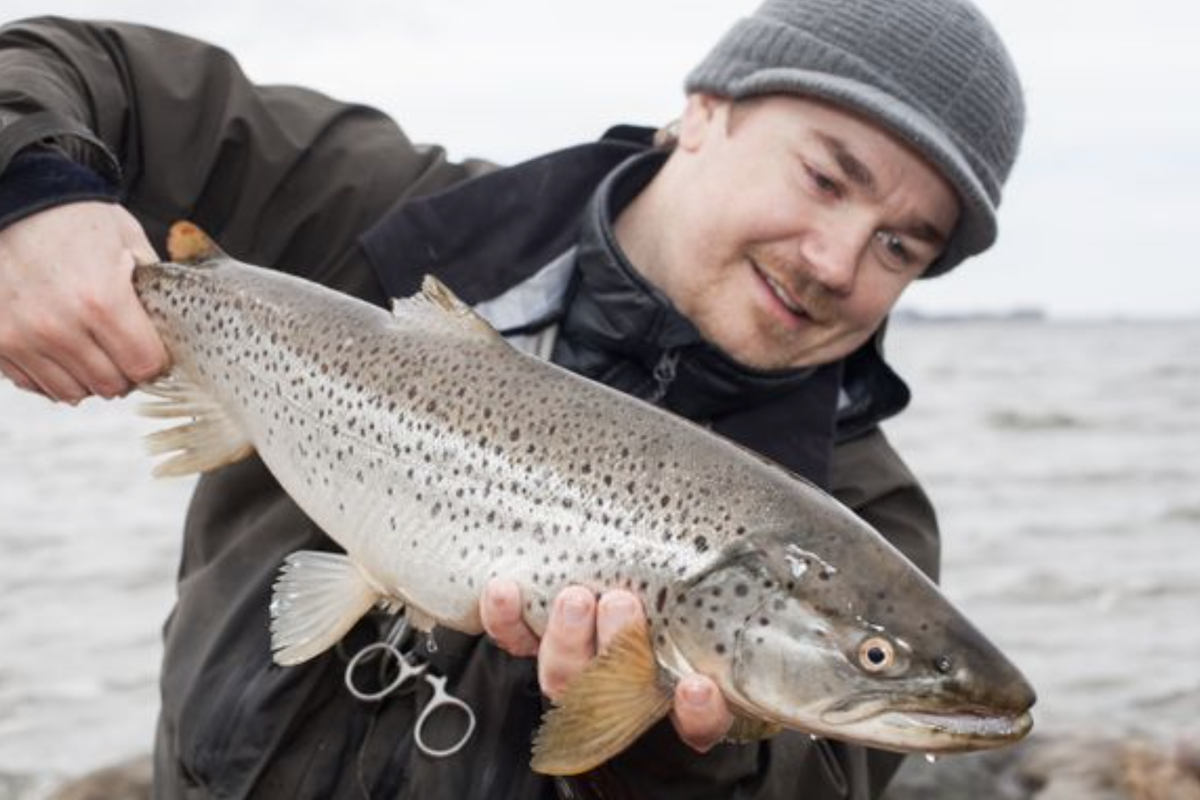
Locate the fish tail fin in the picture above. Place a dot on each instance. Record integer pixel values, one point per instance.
(605, 708)
(211, 439)
(188, 244)
(317, 599)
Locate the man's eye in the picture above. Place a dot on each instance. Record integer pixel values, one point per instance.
(824, 183)
(895, 247)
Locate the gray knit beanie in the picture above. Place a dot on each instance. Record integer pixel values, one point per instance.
(934, 72)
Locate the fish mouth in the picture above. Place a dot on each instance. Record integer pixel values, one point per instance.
(925, 731)
(951, 732)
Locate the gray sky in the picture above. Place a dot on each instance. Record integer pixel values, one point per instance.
(1096, 218)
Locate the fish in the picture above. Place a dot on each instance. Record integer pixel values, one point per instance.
(438, 456)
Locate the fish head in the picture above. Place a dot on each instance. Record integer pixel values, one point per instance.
(840, 635)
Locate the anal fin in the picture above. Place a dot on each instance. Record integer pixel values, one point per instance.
(605, 708)
(210, 440)
(317, 599)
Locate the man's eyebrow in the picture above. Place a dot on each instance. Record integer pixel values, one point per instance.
(859, 174)
(925, 232)
(855, 171)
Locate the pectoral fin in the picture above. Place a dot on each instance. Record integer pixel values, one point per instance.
(605, 708)
(210, 440)
(317, 599)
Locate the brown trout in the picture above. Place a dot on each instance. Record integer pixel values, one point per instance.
(438, 456)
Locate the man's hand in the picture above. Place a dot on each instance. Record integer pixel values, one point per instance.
(580, 627)
(70, 323)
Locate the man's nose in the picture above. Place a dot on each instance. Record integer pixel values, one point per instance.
(833, 256)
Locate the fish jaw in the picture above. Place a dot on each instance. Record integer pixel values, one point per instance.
(908, 726)
(921, 731)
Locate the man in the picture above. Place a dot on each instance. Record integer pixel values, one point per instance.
(738, 272)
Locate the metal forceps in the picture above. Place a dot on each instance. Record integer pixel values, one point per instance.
(393, 655)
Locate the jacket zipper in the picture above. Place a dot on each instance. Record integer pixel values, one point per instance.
(664, 375)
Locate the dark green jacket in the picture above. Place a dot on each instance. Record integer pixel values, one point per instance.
(286, 177)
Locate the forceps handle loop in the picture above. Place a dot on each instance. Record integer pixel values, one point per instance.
(407, 670)
(442, 699)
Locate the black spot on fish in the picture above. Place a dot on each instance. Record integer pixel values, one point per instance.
(701, 544)
(720, 648)
(741, 590)
(661, 600)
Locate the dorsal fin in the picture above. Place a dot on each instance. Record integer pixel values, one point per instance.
(436, 304)
(187, 244)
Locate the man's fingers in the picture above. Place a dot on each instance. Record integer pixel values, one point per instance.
(70, 320)
(62, 358)
(53, 381)
(130, 339)
(17, 376)
(500, 610)
(92, 368)
(617, 610)
(701, 715)
(570, 639)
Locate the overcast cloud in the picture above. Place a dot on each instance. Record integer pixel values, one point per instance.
(1099, 218)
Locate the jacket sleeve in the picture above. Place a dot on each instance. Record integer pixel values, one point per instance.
(279, 175)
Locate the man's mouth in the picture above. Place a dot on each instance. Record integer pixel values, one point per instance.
(781, 293)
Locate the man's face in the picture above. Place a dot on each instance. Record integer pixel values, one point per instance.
(787, 228)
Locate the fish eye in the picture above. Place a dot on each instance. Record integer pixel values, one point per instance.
(876, 654)
(944, 664)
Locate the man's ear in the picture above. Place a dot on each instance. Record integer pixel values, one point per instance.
(703, 115)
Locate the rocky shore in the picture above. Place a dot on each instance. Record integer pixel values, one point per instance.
(1078, 767)
(1042, 768)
